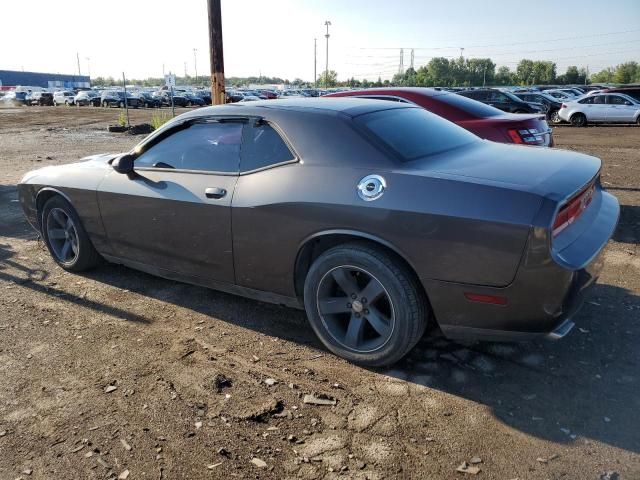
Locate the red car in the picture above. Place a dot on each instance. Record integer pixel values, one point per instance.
(483, 120)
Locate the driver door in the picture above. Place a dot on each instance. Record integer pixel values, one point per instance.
(174, 212)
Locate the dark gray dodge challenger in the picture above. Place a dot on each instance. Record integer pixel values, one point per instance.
(377, 217)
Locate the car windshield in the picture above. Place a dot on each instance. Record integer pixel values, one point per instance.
(414, 133)
(472, 107)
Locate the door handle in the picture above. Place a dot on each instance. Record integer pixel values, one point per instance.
(215, 192)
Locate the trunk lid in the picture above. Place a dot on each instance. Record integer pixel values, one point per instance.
(553, 174)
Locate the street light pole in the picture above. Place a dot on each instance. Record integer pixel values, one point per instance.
(195, 63)
(326, 68)
(315, 63)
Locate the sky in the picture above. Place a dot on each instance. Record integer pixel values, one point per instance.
(276, 38)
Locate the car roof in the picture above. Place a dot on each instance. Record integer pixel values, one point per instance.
(344, 105)
(428, 92)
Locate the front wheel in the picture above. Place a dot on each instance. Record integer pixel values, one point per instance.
(364, 304)
(65, 236)
(121, 105)
(578, 120)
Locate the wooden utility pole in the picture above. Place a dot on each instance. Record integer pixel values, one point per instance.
(215, 53)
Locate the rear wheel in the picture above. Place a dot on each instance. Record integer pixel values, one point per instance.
(105, 104)
(121, 105)
(554, 117)
(578, 120)
(65, 236)
(364, 304)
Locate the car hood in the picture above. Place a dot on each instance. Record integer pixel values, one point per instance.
(554, 174)
(55, 174)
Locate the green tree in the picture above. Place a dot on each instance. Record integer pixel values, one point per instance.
(627, 72)
(328, 79)
(504, 76)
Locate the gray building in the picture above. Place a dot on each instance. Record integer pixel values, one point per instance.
(9, 78)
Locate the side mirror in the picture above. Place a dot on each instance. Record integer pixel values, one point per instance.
(123, 164)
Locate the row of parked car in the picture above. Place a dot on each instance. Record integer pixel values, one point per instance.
(566, 104)
(579, 105)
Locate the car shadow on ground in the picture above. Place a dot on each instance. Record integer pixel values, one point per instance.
(584, 386)
(12, 221)
(628, 230)
(15, 273)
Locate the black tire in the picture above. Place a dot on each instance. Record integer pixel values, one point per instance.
(105, 104)
(84, 256)
(638, 121)
(400, 303)
(578, 120)
(554, 116)
(121, 105)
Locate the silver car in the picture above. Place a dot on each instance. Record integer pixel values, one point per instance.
(601, 108)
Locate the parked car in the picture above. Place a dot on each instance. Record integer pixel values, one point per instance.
(63, 97)
(561, 95)
(193, 99)
(87, 97)
(485, 121)
(116, 97)
(15, 98)
(204, 95)
(146, 99)
(551, 104)
(601, 108)
(233, 96)
(424, 223)
(249, 97)
(40, 98)
(268, 94)
(165, 98)
(631, 90)
(505, 101)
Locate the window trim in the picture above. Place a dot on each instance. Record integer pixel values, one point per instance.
(162, 134)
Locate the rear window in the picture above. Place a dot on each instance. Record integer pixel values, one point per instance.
(414, 133)
(468, 105)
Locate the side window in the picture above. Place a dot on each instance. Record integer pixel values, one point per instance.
(599, 99)
(210, 147)
(263, 147)
(587, 101)
(615, 100)
(497, 97)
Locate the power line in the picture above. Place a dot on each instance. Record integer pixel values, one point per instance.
(621, 32)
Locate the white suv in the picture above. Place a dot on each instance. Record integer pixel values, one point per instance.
(63, 98)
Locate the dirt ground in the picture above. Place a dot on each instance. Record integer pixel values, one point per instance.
(116, 373)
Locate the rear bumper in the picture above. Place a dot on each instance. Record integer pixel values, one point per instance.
(543, 299)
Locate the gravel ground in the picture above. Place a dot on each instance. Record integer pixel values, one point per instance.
(118, 374)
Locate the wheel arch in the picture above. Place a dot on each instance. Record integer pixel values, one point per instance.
(316, 244)
(43, 195)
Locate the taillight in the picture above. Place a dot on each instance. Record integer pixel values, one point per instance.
(573, 209)
(527, 136)
(564, 105)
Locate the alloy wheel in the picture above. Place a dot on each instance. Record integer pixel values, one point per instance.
(355, 308)
(62, 235)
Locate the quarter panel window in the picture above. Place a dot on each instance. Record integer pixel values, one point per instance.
(263, 147)
(212, 147)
